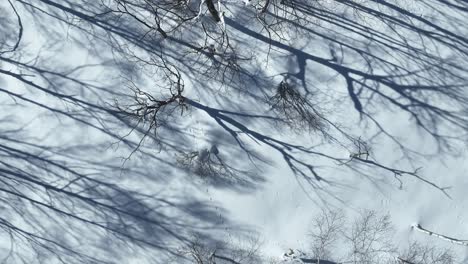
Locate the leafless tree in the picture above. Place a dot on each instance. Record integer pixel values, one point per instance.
(206, 163)
(294, 109)
(368, 238)
(228, 252)
(326, 233)
(425, 254)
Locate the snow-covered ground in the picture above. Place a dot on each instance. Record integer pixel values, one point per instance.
(224, 172)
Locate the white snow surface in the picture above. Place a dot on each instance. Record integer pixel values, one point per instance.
(264, 200)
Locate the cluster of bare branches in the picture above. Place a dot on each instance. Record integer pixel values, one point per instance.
(326, 230)
(203, 49)
(368, 239)
(294, 109)
(424, 254)
(215, 169)
(151, 112)
(206, 163)
(228, 252)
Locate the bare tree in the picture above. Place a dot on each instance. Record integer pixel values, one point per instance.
(368, 238)
(295, 110)
(424, 254)
(326, 233)
(228, 252)
(206, 163)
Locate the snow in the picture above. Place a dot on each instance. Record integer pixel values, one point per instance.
(69, 135)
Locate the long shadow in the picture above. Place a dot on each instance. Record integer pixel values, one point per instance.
(417, 90)
(407, 83)
(58, 198)
(291, 154)
(78, 203)
(357, 80)
(347, 71)
(58, 183)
